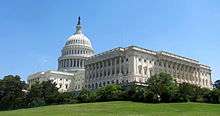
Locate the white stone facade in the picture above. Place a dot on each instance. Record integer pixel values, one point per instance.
(64, 81)
(135, 64)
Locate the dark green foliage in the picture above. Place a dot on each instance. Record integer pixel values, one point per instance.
(133, 92)
(189, 92)
(86, 96)
(109, 93)
(45, 91)
(11, 94)
(162, 86)
(186, 92)
(150, 96)
(215, 96)
(36, 102)
(66, 97)
(217, 84)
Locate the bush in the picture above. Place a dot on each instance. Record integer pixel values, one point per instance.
(66, 98)
(86, 96)
(109, 93)
(36, 103)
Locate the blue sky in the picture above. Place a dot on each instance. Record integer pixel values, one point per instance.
(32, 32)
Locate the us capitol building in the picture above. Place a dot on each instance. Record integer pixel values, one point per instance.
(79, 67)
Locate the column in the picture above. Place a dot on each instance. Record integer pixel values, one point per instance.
(120, 65)
(110, 67)
(77, 62)
(115, 67)
(71, 63)
(83, 63)
(103, 68)
(64, 62)
(74, 62)
(80, 63)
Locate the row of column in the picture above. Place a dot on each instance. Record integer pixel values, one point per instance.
(71, 63)
(116, 67)
(188, 73)
(76, 52)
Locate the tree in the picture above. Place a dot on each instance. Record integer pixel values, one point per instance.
(215, 96)
(11, 94)
(217, 84)
(186, 92)
(162, 86)
(190, 92)
(43, 93)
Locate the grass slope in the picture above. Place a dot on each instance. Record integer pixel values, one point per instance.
(120, 108)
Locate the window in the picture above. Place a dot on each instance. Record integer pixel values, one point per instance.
(122, 60)
(151, 72)
(113, 81)
(139, 59)
(104, 73)
(140, 69)
(108, 72)
(113, 71)
(96, 85)
(66, 86)
(109, 63)
(145, 70)
(117, 61)
(117, 70)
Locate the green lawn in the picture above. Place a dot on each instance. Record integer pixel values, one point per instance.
(120, 108)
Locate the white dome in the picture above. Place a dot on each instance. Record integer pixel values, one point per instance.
(76, 50)
(79, 39)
